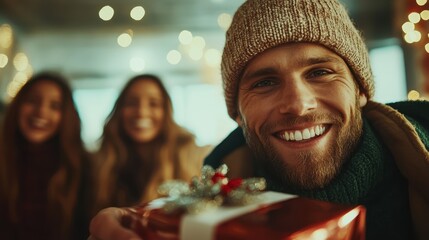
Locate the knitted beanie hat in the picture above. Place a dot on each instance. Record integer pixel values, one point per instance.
(262, 24)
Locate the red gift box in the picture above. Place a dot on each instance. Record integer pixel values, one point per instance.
(279, 216)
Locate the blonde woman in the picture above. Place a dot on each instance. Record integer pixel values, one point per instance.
(142, 146)
(43, 164)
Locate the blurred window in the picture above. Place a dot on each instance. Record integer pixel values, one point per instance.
(388, 67)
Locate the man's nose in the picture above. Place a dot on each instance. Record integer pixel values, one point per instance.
(297, 98)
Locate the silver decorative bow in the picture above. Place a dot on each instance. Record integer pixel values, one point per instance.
(210, 191)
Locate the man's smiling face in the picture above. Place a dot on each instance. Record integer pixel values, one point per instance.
(299, 108)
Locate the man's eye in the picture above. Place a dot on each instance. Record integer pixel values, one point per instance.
(264, 83)
(318, 73)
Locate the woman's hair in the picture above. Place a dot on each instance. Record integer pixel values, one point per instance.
(63, 186)
(119, 155)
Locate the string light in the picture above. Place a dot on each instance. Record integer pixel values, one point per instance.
(106, 13)
(125, 39)
(185, 37)
(20, 61)
(415, 29)
(421, 2)
(3, 60)
(224, 20)
(137, 13)
(413, 95)
(6, 36)
(174, 57)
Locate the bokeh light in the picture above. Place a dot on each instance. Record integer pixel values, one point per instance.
(137, 13)
(185, 37)
(174, 57)
(106, 13)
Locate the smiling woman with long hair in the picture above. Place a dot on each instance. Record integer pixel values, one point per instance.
(142, 146)
(43, 164)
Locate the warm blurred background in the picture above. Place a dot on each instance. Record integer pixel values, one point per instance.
(98, 44)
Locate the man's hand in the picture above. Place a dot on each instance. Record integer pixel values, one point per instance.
(106, 225)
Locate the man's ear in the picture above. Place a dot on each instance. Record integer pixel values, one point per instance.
(239, 119)
(362, 99)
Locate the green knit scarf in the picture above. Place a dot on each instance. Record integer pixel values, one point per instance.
(358, 176)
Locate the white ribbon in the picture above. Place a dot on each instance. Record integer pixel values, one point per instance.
(202, 226)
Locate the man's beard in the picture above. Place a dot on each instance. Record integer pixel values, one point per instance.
(314, 168)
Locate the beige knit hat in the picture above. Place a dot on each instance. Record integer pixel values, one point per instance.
(262, 24)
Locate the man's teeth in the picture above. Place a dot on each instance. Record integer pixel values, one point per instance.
(304, 134)
(144, 123)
